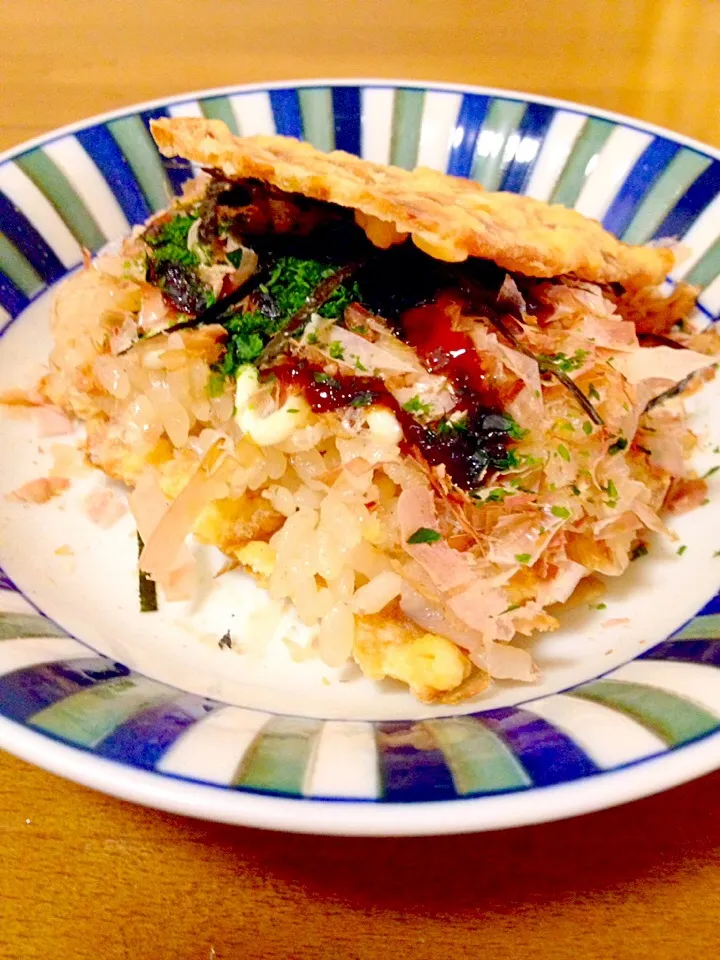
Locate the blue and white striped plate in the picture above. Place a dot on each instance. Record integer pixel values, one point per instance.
(149, 708)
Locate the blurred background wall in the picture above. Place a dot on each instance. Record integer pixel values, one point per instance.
(657, 59)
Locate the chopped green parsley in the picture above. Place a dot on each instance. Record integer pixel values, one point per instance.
(327, 379)
(168, 241)
(416, 406)
(497, 495)
(564, 363)
(515, 430)
(444, 427)
(292, 281)
(424, 535)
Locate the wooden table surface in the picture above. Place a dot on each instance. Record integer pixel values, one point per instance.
(85, 876)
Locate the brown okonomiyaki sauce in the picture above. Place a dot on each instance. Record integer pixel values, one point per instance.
(467, 451)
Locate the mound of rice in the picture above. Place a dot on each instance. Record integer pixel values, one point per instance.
(325, 508)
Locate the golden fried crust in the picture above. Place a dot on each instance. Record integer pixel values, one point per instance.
(448, 217)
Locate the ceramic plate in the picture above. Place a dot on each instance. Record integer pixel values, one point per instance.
(149, 707)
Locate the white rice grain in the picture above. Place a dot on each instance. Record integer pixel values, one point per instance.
(377, 593)
(336, 635)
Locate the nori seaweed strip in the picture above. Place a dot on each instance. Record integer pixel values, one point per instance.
(212, 314)
(671, 392)
(660, 341)
(676, 389)
(147, 589)
(545, 366)
(317, 298)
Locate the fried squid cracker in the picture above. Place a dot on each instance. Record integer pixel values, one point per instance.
(448, 217)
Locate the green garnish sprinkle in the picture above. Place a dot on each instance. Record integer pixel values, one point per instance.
(292, 281)
(681, 550)
(515, 431)
(564, 452)
(326, 378)
(563, 362)
(587, 427)
(497, 495)
(443, 427)
(561, 512)
(523, 557)
(424, 535)
(248, 333)
(416, 406)
(168, 241)
(336, 350)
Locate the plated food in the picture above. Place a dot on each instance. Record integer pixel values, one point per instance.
(422, 414)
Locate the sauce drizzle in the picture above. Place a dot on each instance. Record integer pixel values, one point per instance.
(467, 449)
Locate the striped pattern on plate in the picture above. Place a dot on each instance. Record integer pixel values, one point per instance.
(85, 188)
(669, 696)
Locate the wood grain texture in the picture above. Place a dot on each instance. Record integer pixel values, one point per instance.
(655, 59)
(85, 876)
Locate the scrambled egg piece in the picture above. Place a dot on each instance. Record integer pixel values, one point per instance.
(429, 664)
(229, 523)
(107, 449)
(257, 555)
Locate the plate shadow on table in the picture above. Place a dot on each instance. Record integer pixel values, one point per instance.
(634, 882)
(600, 854)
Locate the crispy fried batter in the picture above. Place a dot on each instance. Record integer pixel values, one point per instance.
(448, 217)
(388, 644)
